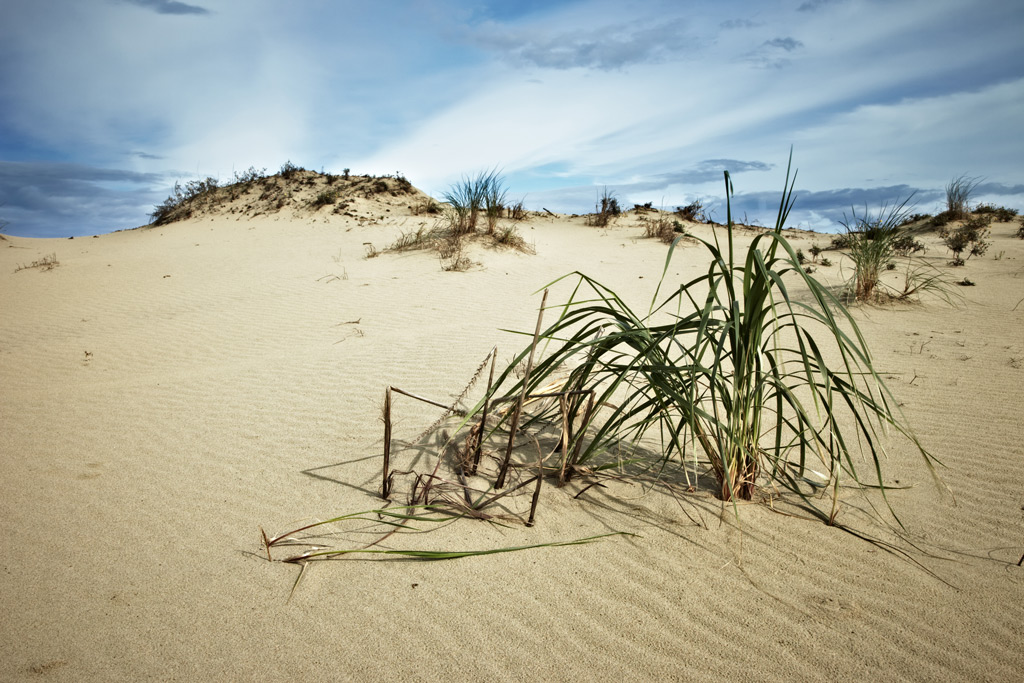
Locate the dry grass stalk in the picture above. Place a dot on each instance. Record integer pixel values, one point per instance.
(483, 418)
(48, 262)
(386, 486)
(500, 483)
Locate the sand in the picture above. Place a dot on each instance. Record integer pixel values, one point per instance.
(166, 391)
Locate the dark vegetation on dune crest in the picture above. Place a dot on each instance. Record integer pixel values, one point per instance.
(263, 194)
(751, 382)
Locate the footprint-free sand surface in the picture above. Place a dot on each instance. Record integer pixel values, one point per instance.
(167, 391)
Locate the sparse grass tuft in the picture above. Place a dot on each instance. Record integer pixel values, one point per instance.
(871, 241)
(452, 253)
(516, 211)
(425, 205)
(421, 238)
(606, 208)
(693, 212)
(662, 228)
(509, 236)
(958, 196)
(48, 262)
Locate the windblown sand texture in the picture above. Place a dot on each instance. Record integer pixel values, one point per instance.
(168, 390)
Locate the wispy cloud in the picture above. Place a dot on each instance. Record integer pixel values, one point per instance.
(606, 47)
(731, 24)
(814, 5)
(787, 44)
(771, 53)
(169, 6)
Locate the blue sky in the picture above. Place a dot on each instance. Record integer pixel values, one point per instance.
(105, 104)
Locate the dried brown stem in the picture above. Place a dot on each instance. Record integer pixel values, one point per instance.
(522, 397)
(386, 485)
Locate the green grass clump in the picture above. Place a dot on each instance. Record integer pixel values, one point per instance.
(872, 241)
(605, 209)
(470, 196)
(730, 368)
(958, 195)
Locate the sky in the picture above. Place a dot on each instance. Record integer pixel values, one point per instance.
(105, 104)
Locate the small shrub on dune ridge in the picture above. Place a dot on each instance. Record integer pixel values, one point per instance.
(693, 212)
(290, 170)
(1001, 214)
(182, 200)
(971, 237)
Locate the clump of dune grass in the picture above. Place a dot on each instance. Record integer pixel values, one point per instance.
(517, 211)
(729, 370)
(425, 205)
(451, 251)
(495, 196)
(661, 228)
(693, 212)
(872, 240)
(420, 238)
(510, 237)
(605, 209)
(469, 197)
(958, 196)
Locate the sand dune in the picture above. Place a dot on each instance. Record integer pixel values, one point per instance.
(168, 390)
